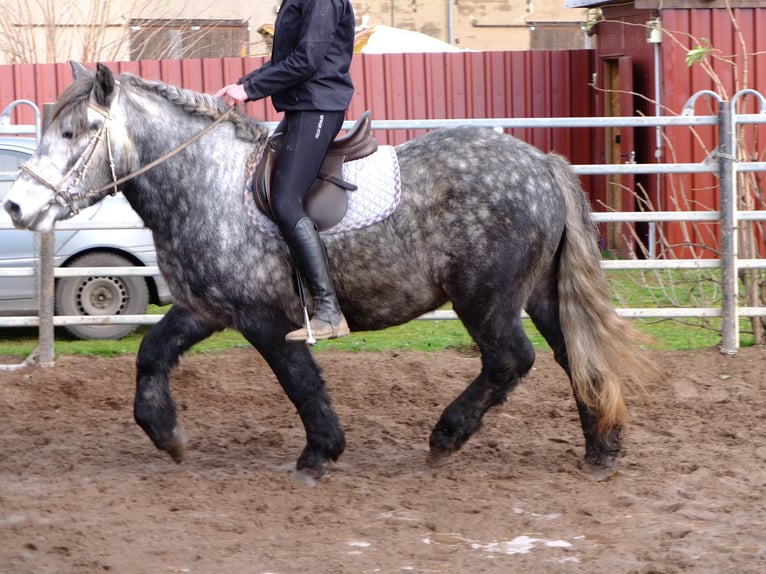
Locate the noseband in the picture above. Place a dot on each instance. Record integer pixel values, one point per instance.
(66, 197)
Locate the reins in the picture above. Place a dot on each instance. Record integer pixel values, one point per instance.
(66, 197)
(167, 156)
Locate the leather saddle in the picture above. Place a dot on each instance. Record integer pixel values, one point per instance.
(327, 200)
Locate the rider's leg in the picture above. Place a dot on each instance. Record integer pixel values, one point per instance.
(306, 141)
(309, 254)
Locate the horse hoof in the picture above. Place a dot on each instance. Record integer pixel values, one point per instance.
(311, 466)
(599, 472)
(176, 447)
(308, 479)
(438, 459)
(310, 475)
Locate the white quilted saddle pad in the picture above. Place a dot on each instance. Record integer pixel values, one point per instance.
(376, 197)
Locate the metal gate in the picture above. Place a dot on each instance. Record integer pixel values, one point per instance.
(725, 164)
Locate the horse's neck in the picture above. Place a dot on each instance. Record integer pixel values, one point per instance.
(201, 183)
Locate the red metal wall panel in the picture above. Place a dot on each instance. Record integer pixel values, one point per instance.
(738, 62)
(517, 71)
(621, 39)
(439, 99)
(457, 87)
(392, 86)
(517, 84)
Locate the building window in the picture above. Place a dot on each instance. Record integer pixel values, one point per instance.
(175, 39)
(557, 36)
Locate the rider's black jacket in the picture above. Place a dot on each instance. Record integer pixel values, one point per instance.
(310, 58)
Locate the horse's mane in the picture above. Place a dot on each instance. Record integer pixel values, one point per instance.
(74, 100)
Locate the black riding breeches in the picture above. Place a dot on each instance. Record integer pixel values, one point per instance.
(308, 134)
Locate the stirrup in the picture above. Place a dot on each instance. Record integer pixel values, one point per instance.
(319, 329)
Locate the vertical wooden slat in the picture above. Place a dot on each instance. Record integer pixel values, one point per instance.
(7, 85)
(456, 86)
(374, 92)
(582, 67)
(476, 86)
(45, 85)
(704, 189)
(415, 95)
(170, 71)
(395, 94)
(675, 93)
(62, 78)
(127, 67)
(496, 82)
(439, 94)
(150, 70)
(357, 106)
(191, 71)
(523, 90)
(212, 75)
(538, 108)
(25, 82)
(560, 103)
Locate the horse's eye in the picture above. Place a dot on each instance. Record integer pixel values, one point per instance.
(67, 134)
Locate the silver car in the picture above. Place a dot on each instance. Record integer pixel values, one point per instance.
(104, 295)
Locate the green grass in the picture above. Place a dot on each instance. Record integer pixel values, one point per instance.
(415, 335)
(630, 289)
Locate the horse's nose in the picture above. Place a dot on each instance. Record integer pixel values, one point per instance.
(13, 209)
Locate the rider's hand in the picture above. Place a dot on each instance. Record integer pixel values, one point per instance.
(233, 94)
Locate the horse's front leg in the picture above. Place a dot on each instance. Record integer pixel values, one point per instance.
(301, 379)
(154, 408)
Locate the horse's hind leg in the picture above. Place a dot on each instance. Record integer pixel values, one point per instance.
(506, 356)
(154, 408)
(602, 447)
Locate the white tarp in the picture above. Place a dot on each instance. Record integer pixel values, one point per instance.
(388, 40)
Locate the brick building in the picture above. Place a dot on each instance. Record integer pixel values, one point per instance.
(144, 29)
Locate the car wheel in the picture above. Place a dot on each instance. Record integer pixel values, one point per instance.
(103, 295)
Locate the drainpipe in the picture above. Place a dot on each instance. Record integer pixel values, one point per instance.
(654, 36)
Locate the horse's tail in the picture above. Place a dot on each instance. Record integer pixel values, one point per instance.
(602, 347)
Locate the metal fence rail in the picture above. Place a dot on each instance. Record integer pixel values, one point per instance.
(726, 166)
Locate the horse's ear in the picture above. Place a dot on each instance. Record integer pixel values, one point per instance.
(103, 88)
(78, 70)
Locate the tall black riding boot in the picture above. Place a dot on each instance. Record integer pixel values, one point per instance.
(309, 254)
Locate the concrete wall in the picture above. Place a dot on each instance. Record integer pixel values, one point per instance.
(474, 24)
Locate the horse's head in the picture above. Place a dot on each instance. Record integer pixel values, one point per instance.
(75, 160)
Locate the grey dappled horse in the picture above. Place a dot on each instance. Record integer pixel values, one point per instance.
(485, 221)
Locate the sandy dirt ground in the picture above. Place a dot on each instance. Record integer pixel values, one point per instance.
(83, 490)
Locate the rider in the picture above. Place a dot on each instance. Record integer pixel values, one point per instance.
(308, 79)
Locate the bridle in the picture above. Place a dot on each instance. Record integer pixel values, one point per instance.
(66, 195)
